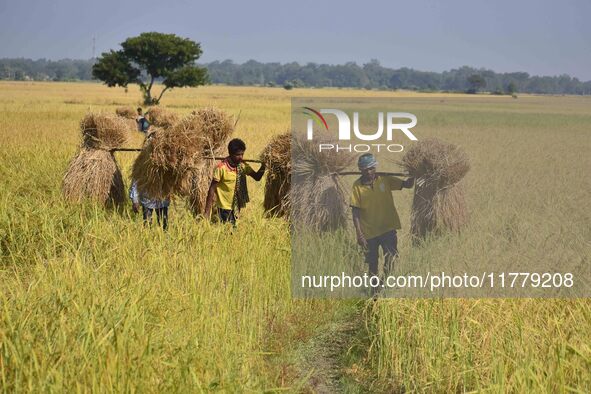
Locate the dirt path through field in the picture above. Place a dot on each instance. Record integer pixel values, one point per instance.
(321, 361)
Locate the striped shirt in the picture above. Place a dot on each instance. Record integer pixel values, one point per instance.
(150, 203)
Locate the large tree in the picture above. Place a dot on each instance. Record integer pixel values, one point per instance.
(148, 57)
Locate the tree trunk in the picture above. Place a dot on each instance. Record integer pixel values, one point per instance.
(147, 91)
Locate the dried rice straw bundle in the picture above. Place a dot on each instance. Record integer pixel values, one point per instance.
(449, 206)
(103, 131)
(161, 117)
(438, 201)
(94, 174)
(216, 128)
(173, 161)
(162, 167)
(126, 112)
(128, 115)
(319, 202)
(200, 178)
(277, 159)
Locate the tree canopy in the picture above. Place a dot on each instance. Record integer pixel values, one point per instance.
(150, 57)
(476, 82)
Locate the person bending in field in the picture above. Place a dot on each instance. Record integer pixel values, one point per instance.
(149, 205)
(142, 122)
(374, 214)
(228, 186)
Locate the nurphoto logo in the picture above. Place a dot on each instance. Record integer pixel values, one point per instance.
(344, 130)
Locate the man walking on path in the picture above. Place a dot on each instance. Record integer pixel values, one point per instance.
(374, 214)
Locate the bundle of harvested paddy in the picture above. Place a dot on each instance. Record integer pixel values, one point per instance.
(199, 180)
(163, 162)
(126, 112)
(103, 131)
(174, 160)
(215, 127)
(94, 174)
(318, 202)
(277, 159)
(128, 115)
(161, 117)
(438, 201)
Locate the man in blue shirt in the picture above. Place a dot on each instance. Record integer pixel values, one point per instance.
(149, 206)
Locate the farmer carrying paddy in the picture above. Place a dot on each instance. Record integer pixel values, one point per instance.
(228, 186)
(374, 214)
(149, 205)
(142, 122)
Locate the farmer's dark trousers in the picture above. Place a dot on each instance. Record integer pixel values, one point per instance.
(161, 216)
(389, 243)
(227, 216)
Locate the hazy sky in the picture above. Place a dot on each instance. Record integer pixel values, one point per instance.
(538, 36)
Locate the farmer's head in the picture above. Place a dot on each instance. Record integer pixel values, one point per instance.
(139, 110)
(367, 165)
(236, 149)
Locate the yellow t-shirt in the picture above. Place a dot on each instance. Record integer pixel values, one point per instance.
(378, 214)
(225, 175)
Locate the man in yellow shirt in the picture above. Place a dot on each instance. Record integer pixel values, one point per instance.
(228, 186)
(374, 214)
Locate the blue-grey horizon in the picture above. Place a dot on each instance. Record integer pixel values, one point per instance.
(541, 37)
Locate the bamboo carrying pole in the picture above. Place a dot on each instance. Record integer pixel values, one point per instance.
(377, 173)
(125, 150)
(208, 158)
(258, 161)
(245, 160)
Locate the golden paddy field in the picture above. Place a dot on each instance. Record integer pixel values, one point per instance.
(91, 300)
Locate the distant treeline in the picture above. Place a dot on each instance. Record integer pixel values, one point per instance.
(46, 70)
(371, 75)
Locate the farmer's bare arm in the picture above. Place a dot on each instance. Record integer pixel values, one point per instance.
(357, 223)
(135, 198)
(259, 174)
(210, 197)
